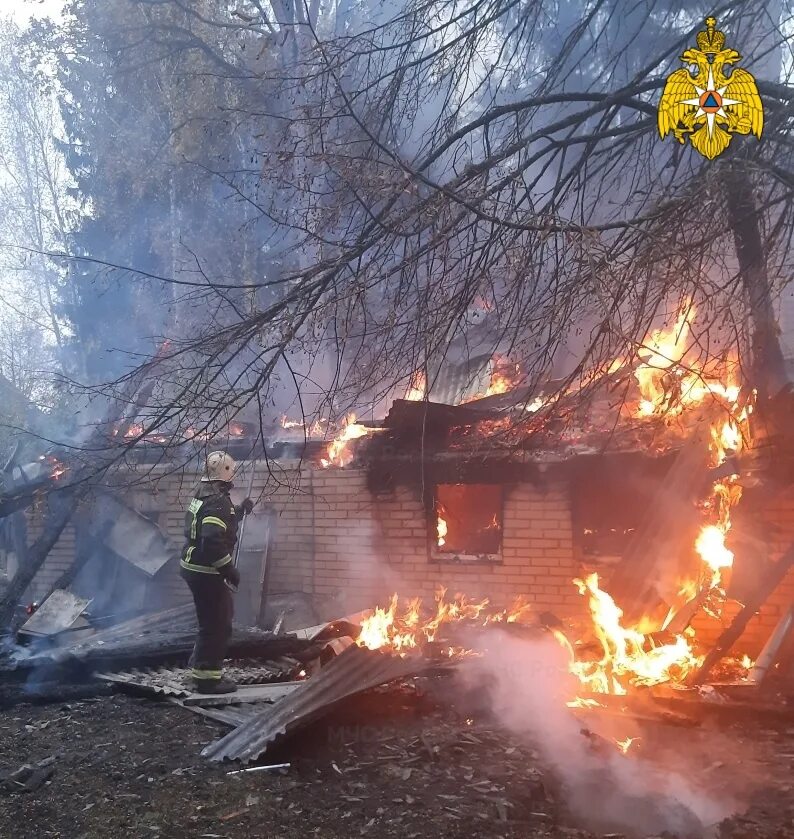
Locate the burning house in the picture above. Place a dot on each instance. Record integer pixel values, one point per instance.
(632, 510)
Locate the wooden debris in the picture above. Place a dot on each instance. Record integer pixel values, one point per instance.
(28, 777)
(243, 694)
(732, 634)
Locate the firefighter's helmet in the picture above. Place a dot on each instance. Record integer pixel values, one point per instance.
(220, 467)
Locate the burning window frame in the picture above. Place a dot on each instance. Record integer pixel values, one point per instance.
(436, 553)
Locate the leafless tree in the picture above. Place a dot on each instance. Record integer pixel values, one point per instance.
(37, 213)
(427, 164)
(444, 174)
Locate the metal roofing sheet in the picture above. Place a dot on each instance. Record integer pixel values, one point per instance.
(355, 670)
(58, 612)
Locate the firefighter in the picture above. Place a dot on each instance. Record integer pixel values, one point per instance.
(208, 569)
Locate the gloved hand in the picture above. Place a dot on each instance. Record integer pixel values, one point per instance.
(233, 575)
(245, 507)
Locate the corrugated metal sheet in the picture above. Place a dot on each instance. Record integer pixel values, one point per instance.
(456, 383)
(355, 670)
(134, 537)
(231, 715)
(58, 612)
(244, 695)
(157, 639)
(176, 681)
(164, 682)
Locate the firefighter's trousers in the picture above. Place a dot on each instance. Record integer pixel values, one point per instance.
(214, 610)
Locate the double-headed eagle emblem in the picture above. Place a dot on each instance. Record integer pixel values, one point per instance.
(707, 106)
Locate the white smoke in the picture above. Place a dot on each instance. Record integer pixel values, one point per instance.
(602, 789)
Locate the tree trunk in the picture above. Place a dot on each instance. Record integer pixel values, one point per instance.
(768, 369)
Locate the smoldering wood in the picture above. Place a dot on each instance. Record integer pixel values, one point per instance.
(66, 497)
(732, 634)
(62, 505)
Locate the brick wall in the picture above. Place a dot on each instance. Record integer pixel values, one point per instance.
(365, 548)
(161, 494)
(59, 558)
(335, 541)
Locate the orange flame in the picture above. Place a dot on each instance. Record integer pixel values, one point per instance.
(627, 657)
(625, 745)
(417, 387)
(581, 702)
(504, 376)
(338, 452)
(407, 630)
(315, 429)
(286, 422)
(710, 546)
(58, 468)
(663, 349)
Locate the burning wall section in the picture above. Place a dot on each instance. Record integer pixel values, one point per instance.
(351, 550)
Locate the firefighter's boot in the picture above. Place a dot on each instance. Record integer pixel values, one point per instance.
(215, 686)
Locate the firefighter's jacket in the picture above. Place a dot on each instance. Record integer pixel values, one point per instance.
(210, 531)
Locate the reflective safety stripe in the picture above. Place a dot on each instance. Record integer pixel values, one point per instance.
(194, 507)
(224, 560)
(214, 675)
(192, 566)
(213, 520)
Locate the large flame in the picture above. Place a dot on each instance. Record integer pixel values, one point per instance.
(406, 629)
(628, 658)
(338, 453)
(624, 656)
(662, 350)
(504, 376)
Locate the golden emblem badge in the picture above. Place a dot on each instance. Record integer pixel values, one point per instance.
(706, 105)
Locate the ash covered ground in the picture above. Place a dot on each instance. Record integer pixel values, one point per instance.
(131, 767)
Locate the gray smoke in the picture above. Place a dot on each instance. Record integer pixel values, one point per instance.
(602, 789)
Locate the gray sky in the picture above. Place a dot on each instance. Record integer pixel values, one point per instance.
(23, 10)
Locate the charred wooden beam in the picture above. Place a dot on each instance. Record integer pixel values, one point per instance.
(406, 416)
(72, 489)
(62, 506)
(732, 634)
